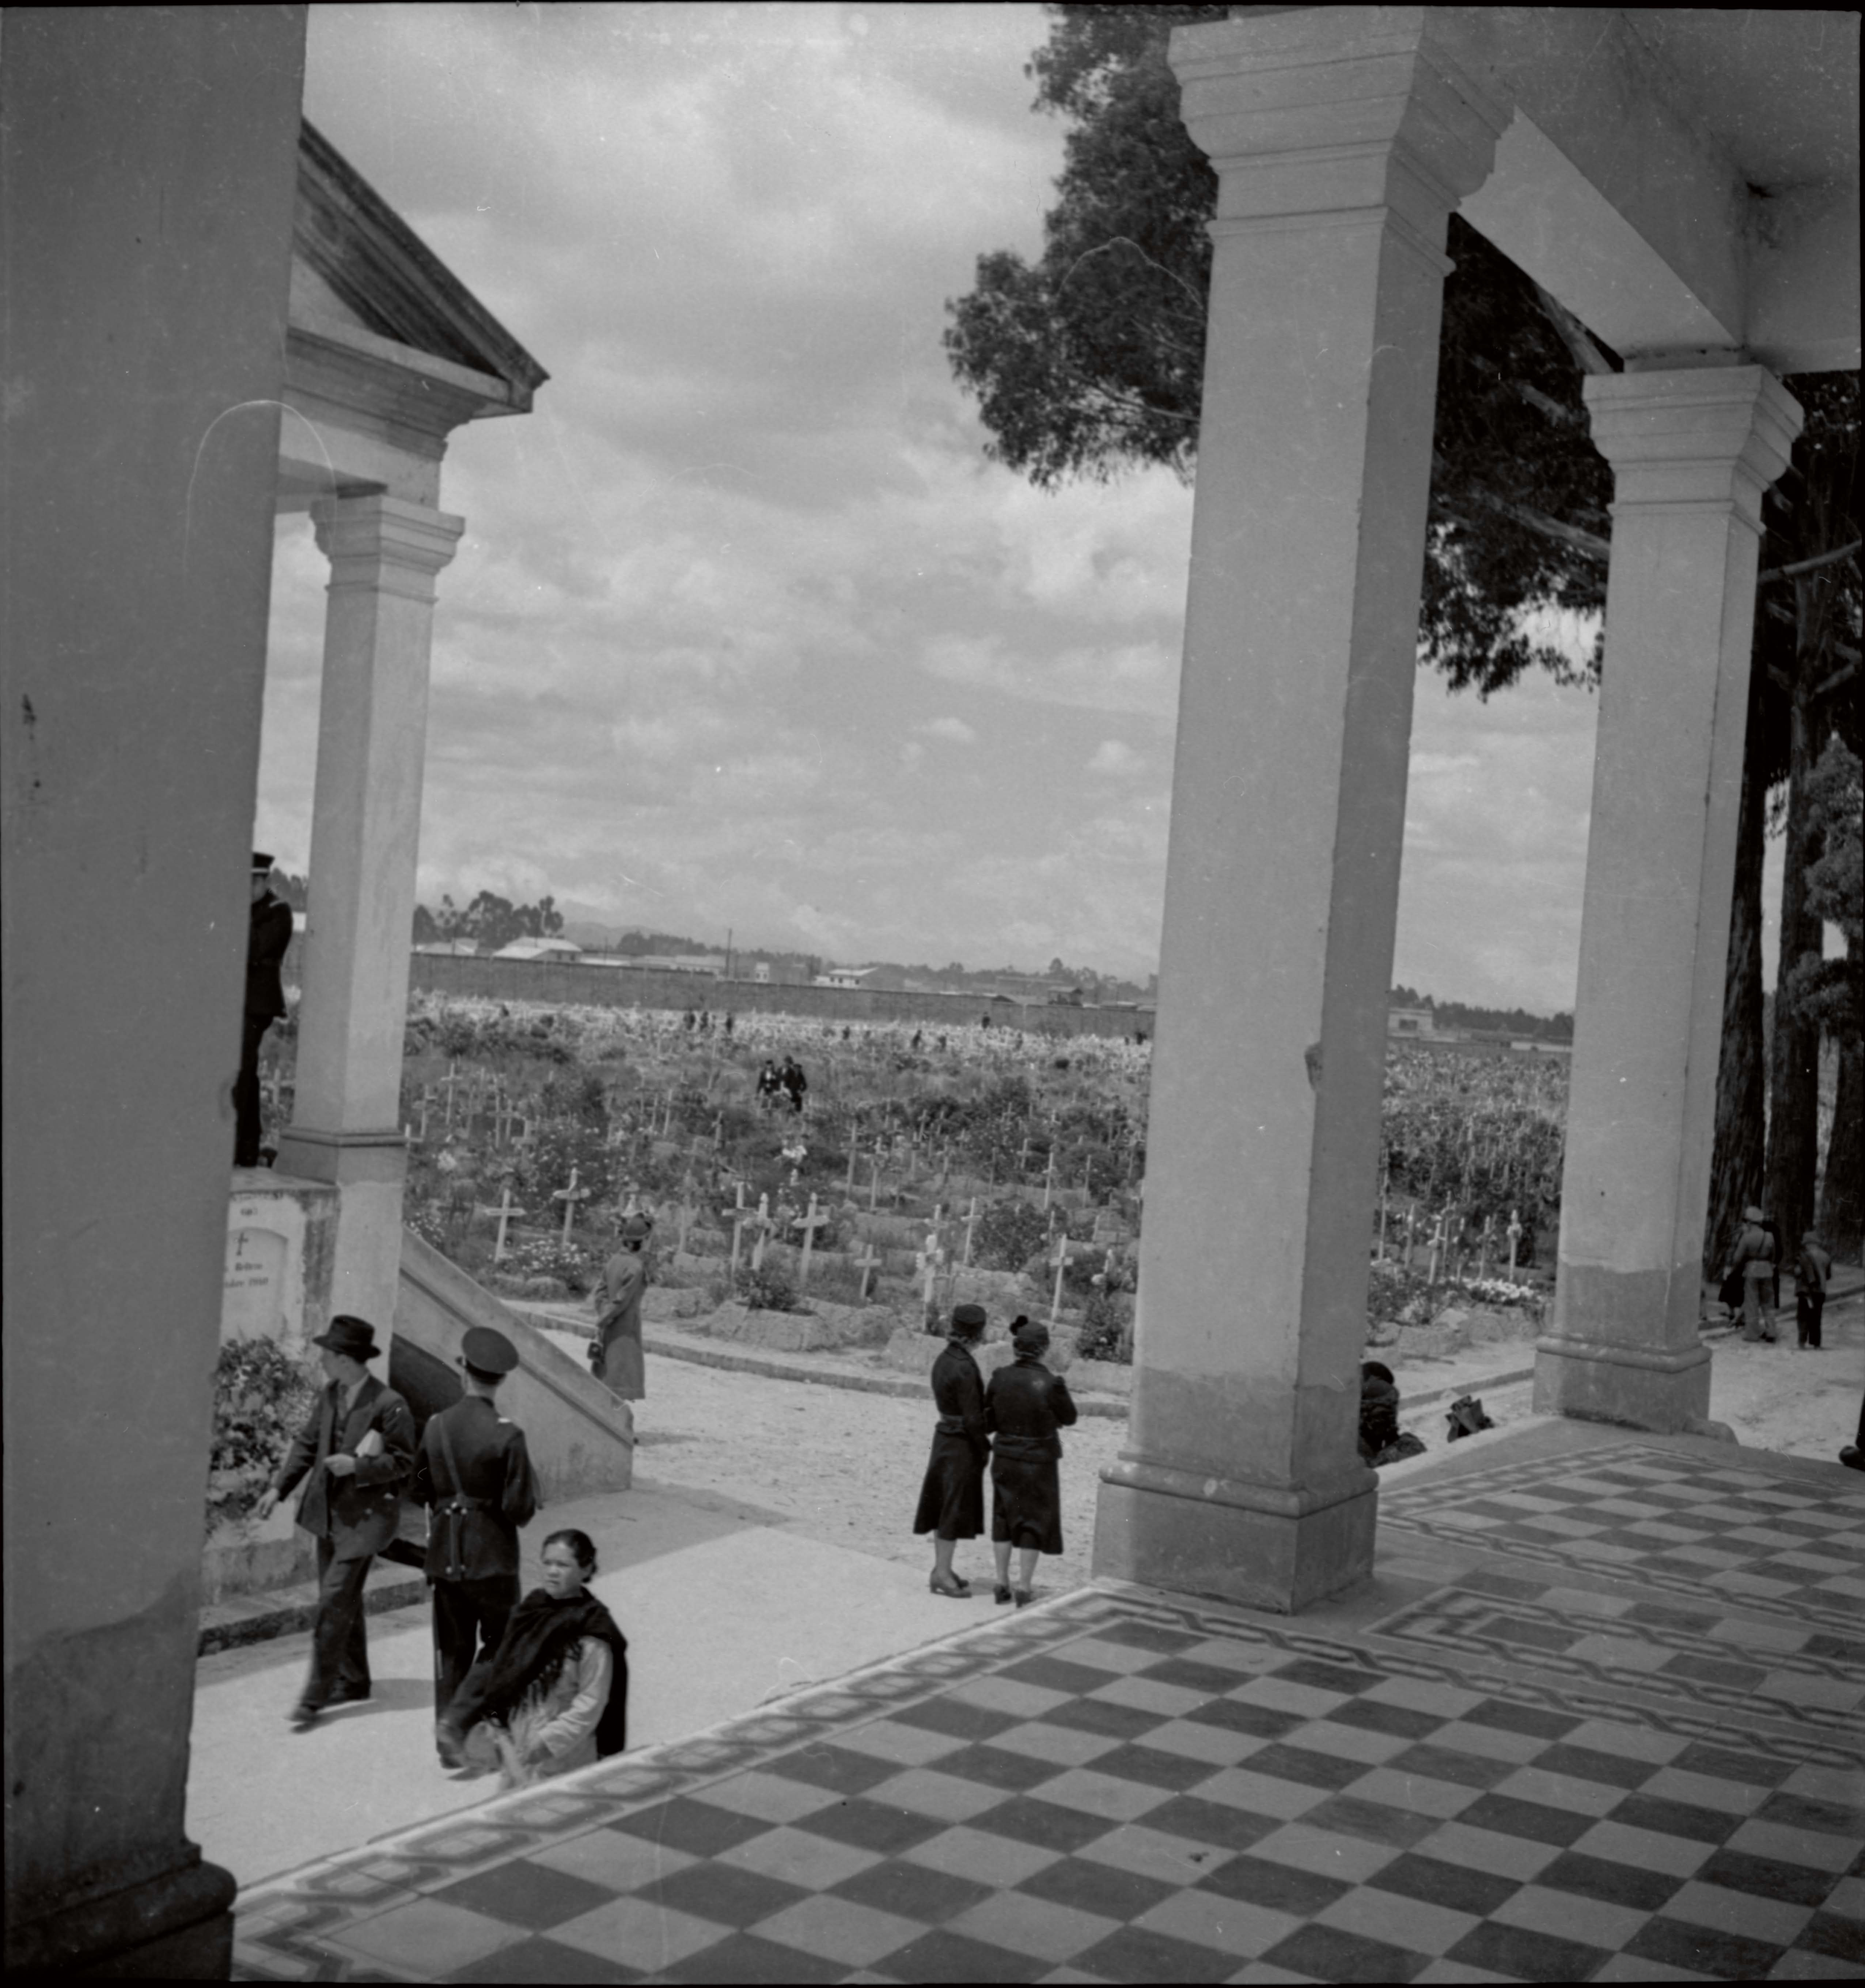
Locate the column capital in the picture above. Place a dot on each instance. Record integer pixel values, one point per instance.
(385, 543)
(1715, 435)
(1321, 115)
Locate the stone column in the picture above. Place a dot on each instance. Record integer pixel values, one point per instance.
(384, 554)
(148, 169)
(1691, 454)
(1342, 137)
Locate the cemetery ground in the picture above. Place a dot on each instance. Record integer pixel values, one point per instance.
(764, 1549)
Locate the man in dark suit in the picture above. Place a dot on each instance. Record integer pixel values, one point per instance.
(474, 1472)
(267, 937)
(354, 1454)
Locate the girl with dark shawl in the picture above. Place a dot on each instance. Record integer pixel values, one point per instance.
(1025, 1405)
(554, 1694)
(952, 1498)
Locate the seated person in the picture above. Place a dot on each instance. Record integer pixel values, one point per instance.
(554, 1695)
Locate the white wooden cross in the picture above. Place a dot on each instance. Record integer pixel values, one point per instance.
(1514, 1240)
(1048, 1179)
(970, 1223)
(1062, 1265)
(928, 1261)
(737, 1216)
(449, 1083)
(507, 1208)
(1438, 1238)
(808, 1224)
(569, 1196)
(867, 1263)
(762, 1223)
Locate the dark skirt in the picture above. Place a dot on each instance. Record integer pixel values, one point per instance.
(952, 1496)
(1026, 1503)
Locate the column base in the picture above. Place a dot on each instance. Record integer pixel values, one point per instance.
(177, 1927)
(1268, 1547)
(343, 1158)
(1666, 1392)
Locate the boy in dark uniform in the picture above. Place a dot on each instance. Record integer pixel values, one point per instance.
(268, 935)
(474, 1472)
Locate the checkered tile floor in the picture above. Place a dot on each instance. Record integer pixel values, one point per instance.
(1689, 1523)
(1509, 1780)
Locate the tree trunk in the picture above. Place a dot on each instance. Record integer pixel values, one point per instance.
(1742, 1073)
(1793, 1063)
(1841, 1200)
(1793, 1068)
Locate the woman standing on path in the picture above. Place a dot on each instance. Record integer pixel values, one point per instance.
(1025, 1405)
(616, 1352)
(952, 1497)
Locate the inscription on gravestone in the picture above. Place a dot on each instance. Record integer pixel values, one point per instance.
(252, 1306)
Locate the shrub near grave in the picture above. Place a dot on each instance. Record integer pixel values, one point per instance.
(262, 1397)
(1008, 1233)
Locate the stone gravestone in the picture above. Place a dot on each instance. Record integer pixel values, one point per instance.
(253, 1304)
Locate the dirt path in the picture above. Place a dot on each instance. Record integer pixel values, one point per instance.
(845, 1467)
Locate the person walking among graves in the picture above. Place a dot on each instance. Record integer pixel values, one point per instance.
(268, 932)
(794, 1082)
(769, 1083)
(354, 1455)
(1812, 1272)
(473, 1473)
(554, 1694)
(1754, 1258)
(951, 1504)
(616, 1354)
(1025, 1405)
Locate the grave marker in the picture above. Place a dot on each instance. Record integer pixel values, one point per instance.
(505, 1209)
(808, 1224)
(867, 1263)
(569, 1196)
(1514, 1240)
(1062, 1265)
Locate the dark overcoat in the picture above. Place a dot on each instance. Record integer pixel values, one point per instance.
(1025, 1405)
(358, 1514)
(267, 937)
(473, 1534)
(952, 1496)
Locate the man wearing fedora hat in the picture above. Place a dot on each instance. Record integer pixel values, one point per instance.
(473, 1473)
(268, 934)
(616, 1352)
(354, 1454)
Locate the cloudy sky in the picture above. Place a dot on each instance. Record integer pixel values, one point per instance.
(744, 632)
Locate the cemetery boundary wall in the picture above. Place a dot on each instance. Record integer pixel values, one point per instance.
(566, 984)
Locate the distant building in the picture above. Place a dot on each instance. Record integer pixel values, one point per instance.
(1421, 1022)
(539, 948)
(713, 963)
(887, 979)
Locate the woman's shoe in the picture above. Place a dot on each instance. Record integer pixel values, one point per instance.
(1000, 1594)
(1024, 1597)
(955, 1589)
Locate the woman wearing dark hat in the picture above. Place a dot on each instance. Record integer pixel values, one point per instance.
(1025, 1405)
(616, 1352)
(952, 1497)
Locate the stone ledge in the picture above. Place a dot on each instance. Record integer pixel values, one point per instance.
(240, 1619)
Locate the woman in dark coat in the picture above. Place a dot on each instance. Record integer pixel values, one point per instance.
(952, 1497)
(1024, 1406)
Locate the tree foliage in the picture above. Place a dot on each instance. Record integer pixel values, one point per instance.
(1090, 361)
(489, 920)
